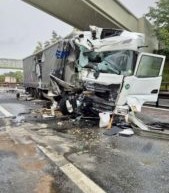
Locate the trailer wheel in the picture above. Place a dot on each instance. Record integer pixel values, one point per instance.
(31, 92)
(63, 107)
(40, 95)
(36, 93)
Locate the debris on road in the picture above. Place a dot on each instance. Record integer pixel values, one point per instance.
(29, 98)
(104, 119)
(45, 116)
(126, 132)
(19, 119)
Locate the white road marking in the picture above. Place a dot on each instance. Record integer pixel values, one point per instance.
(155, 108)
(80, 179)
(5, 112)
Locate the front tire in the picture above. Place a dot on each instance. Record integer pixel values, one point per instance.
(63, 107)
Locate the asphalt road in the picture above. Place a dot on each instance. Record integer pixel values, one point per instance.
(23, 167)
(9, 104)
(117, 164)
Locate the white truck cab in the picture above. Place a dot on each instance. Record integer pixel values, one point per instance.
(116, 71)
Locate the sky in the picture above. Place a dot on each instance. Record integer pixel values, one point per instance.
(138, 7)
(22, 25)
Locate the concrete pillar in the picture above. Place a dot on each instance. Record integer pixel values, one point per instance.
(144, 26)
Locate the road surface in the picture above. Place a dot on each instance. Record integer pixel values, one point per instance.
(112, 163)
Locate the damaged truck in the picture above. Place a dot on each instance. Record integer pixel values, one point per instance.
(101, 70)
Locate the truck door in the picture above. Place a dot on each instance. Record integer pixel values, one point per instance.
(144, 85)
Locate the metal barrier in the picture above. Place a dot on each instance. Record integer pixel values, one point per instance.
(164, 93)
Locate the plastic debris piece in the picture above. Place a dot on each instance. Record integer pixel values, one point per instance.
(104, 119)
(126, 132)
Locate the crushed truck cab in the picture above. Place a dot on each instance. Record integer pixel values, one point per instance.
(114, 74)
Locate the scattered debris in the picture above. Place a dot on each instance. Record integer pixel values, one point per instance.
(19, 119)
(126, 132)
(29, 98)
(54, 107)
(46, 116)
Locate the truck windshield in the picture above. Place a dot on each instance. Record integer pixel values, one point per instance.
(117, 62)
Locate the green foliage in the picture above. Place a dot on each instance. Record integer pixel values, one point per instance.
(18, 75)
(38, 48)
(46, 44)
(166, 74)
(159, 16)
(2, 78)
(164, 52)
(55, 37)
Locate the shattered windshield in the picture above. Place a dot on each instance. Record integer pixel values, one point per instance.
(115, 62)
(118, 62)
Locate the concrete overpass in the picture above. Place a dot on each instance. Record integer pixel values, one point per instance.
(11, 64)
(102, 13)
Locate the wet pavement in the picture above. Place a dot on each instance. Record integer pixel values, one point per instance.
(126, 165)
(23, 168)
(117, 164)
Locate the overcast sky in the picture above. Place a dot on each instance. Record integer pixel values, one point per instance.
(138, 7)
(22, 25)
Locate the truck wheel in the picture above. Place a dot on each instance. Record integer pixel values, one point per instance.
(63, 107)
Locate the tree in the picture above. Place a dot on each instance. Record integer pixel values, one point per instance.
(19, 76)
(39, 47)
(2, 78)
(55, 37)
(46, 44)
(159, 15)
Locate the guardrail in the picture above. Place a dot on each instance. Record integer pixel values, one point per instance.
(164, 92)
